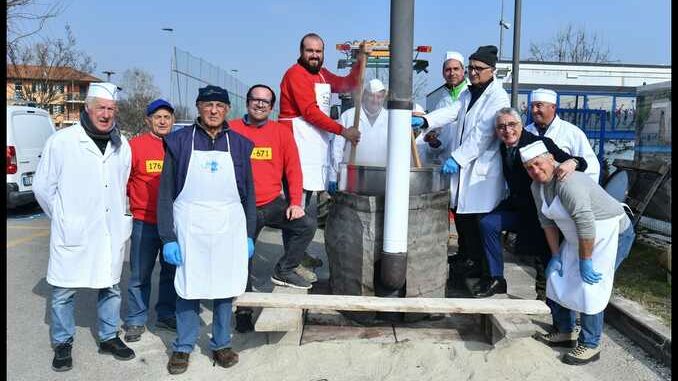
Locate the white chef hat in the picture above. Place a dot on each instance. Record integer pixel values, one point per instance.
(454, 56)
(532, 150)
(544, 95)
(418, 109)
(374, 86)
(103, 90)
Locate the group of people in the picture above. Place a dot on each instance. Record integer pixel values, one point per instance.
(200, 196)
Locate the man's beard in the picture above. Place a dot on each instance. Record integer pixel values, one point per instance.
(312, 69)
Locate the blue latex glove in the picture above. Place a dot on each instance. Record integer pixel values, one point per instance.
(450, 166)
(332, 187)
(417, 123)
(250, 247)
(586, 271)
(555, 265)
(172, 253)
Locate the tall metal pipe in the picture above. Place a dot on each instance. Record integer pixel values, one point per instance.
(394, 257)
(516, 54)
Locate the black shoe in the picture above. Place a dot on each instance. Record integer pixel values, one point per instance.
(62, 358)
(169, 323)
(117, 348)
(133, 332)
(290, 279)
(495, 286)
(225, 357)
(178, 363)
(243, 321)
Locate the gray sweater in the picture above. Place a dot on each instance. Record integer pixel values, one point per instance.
(583, 199)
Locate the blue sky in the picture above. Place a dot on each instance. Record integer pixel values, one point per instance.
(260, 38)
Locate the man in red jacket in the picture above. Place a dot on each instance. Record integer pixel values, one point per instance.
(275, 155)
(305, 93)
(148, 154)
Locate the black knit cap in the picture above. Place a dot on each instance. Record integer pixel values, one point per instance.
(213, 93)
(487, 54)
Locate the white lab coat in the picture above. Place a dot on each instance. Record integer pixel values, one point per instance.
(83, 192)
(572, 140)
(479, 186)
(372, 148)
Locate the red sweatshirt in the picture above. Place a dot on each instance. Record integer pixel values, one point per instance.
(274, 153)
(297, 95)
(148, 154)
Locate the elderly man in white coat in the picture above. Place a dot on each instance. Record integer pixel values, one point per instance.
(373, 133)
(597, 237)
(566, 135)
(81, 185)
(477, 183)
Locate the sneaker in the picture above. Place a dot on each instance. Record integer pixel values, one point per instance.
(290, 279)
(117, 348)
(225, 357)
(169, 323)
(311, 262)
(133, 332)
(178, 363)
(243, 321)
(62, 358)
(558, 339)
(581, 355)
(305, 273)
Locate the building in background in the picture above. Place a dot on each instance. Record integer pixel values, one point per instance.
(59, 90)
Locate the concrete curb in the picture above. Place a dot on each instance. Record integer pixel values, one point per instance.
(636, 323)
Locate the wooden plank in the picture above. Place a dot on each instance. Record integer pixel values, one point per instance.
(653, 166)
(281, 319)
(374, 303)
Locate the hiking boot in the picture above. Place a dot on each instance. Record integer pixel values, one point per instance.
(169, 323)
(243, 321)
(305, 273)
(117, 348)
(225, 357)
(558, 339)
(62, 358)
(311, 262)
(178, 362)
(290, 279)
(581, 355)
(133, 332)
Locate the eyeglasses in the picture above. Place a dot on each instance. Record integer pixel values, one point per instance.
(504, 127)
(477, 69)
(265, 102)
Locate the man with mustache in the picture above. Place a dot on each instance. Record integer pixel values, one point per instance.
(305, 93)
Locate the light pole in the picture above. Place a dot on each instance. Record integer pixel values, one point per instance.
(172, 68)
(502, 25)
(108, 75)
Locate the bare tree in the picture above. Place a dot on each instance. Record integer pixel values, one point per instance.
(49, 64)
(138, 91)
(26, 18)
(571, 44)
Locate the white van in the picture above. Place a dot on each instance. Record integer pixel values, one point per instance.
(28, 128)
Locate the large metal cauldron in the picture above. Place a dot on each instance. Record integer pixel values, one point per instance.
(371, 181)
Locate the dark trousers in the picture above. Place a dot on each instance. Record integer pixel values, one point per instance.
(470, 245)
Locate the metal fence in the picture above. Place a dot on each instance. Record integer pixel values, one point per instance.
(189, 73)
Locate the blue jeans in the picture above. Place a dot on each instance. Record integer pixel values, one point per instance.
(62, 325)
(626, 239)
(144, 248)
(591, 325)
(188, 324)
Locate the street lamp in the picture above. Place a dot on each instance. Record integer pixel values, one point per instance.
(172, 68)
(108, 75)
(502, 25)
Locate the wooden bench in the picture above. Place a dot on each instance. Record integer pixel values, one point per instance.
(282, 325)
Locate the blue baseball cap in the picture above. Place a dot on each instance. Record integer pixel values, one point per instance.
(157, 104)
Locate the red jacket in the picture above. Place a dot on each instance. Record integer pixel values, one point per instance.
(274, 153)
(148, 154)
(297, 95)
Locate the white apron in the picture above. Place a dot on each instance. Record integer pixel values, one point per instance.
(210, 225)
(570, 290)
(313, 143)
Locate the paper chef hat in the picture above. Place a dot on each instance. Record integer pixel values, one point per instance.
(544, 95)
(532, 150)
(103, 90)
(454, 56)
(375, 85)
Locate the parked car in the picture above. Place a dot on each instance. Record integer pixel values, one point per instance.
(28, 128)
